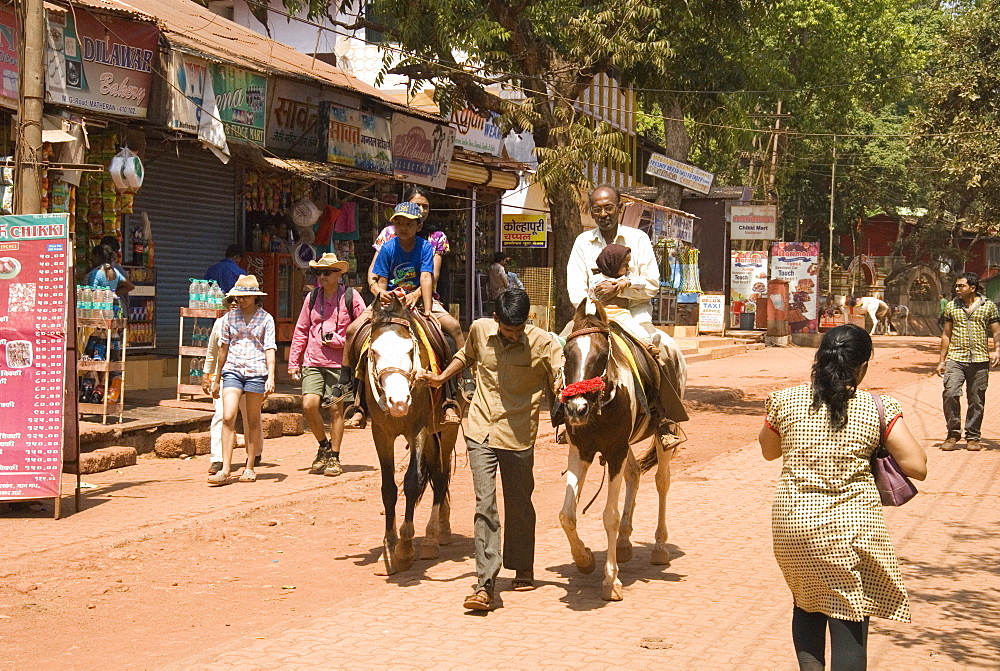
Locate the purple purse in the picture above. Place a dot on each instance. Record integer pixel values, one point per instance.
(894, 488)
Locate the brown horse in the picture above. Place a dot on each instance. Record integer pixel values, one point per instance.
(399, 407)
(604, 416)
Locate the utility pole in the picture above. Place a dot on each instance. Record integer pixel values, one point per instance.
(28, 154)
(833, 186)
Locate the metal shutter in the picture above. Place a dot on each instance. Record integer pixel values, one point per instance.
(191, 202)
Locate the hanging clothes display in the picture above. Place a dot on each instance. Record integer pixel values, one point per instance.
(691, 282)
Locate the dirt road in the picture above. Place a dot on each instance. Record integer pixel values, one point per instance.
(158, 567)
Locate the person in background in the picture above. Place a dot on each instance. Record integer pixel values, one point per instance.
(246, 356)
(966, 359)
(212, 366)
(497, 276)
(111, 242)
(512, 278)
(103, 274)
(501, 432)
(942, 306)
(830, 538)
(227, 271)
(317, 358)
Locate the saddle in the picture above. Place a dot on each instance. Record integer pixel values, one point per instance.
(428, 333)
(656, 384)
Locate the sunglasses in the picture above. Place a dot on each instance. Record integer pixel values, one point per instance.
(329, 271)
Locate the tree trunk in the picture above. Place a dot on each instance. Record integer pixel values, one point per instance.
(566, 226)
(678, 144)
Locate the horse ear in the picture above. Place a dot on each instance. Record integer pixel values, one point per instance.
(581, 312)
(602, 314)
(376, 308)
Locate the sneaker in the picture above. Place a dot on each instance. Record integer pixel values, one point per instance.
(214, 467)
(973, 445)
(333, 467)
(950, 443)
(322, 457)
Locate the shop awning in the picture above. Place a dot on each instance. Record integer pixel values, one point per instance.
(323, 172)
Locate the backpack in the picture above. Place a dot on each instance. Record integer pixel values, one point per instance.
(348, 299)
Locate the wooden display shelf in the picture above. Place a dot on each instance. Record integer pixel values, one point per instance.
(188, 350)
(202, 312)
(106, 366)
(98, 408)
(94, 323)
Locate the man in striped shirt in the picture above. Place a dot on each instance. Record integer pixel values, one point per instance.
(966, 359)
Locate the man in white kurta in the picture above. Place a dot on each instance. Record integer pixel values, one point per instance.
(639, 286)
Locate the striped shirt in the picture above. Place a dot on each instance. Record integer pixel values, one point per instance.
(970, 329)
(247, 342)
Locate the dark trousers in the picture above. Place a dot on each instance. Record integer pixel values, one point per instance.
(848, 642)
(975, 377)
(519, 513)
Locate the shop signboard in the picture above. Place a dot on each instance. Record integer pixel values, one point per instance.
(711, 313)
(294, 125)
(753, 222)
(524, 231)
(101, 64)
(680, 227)
(34, 276)
(747, 279)
(798, 264)
(357, 139)
(190, 86)
(693, 178)
(476, 132)
(9, 35)
(421, 150)
(241, 96)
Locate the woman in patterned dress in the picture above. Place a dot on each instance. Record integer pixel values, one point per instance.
(830, 538)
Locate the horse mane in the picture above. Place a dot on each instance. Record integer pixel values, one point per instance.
(382, 314)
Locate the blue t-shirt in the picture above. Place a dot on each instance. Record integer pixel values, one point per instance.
(225, 273)
(403, 268)
(98, 279)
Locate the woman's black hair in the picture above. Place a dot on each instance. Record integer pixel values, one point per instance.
(416, 190)
(841, 352)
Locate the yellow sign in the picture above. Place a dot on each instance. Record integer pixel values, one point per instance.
(524, 230)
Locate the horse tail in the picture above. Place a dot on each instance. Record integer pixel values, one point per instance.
(649, 459)
(429, 461)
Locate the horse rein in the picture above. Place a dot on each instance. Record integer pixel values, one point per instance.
(594, 384)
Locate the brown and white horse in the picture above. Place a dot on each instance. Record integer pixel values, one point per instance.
(604, 416)
(399, 407)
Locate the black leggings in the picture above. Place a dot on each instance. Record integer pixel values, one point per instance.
(848, 641)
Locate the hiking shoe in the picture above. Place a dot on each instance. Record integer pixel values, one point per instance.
(973, 445)
(950, 443)
(333, 467)
(322, 457)
(214, 467)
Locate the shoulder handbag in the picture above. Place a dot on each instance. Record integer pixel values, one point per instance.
(894, 488)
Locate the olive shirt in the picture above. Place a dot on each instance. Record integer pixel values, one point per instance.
(970, 330)
(510, 381)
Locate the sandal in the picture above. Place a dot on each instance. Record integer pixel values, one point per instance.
(354, 418)
(523, 584)
(219, 478)
(248, 475)
(451, 415)
(481, 600)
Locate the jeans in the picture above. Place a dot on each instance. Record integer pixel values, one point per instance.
(519, 534)
(848, 641)
(975, 377)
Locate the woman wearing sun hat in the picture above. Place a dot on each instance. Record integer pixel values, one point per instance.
(246, 356)
(317, 358)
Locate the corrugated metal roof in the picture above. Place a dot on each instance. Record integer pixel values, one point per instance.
(194, 28)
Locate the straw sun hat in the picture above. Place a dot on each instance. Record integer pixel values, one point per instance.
(329, 260)
(246, 285)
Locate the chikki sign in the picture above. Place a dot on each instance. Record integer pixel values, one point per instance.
(524, 230)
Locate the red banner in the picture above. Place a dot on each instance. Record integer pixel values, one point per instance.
(34, 272)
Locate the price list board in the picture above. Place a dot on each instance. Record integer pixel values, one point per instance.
(34, 274)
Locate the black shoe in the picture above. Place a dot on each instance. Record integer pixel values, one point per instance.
(215, 467)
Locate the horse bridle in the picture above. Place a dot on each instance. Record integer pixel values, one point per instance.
(377, 374)
(604, 386)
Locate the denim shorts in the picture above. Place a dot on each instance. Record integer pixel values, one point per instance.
(253, 384)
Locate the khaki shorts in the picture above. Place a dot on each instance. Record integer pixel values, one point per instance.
(335, 383)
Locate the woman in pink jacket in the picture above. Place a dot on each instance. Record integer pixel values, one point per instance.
(317, 357)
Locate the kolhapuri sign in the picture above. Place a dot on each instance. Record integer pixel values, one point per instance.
(524, 230)
(357, 139)
(101, 63)
(421, 150)
(9, 36)
(241, 96)
(747, 279)
(693, 178)
(34, 276)
(798, 264)
(476, 132)
(753, 222)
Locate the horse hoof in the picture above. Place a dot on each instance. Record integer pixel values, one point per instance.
(612, 592)
(385, 566)
(623, 552)
(429, 551)
(660, 557)
(404, 557)
(444, 536)
(588, 568)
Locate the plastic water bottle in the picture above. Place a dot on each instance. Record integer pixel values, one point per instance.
(217, 296)
(193, 372)
(86, 303)
(109, 304)
(193, 291)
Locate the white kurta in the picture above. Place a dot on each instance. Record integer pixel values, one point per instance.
(642, 269)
